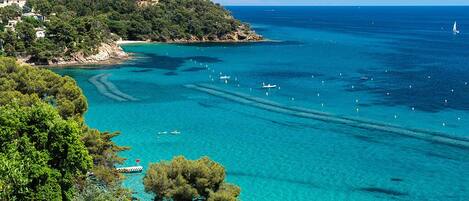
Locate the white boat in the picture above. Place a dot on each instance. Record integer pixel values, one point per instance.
(225, 77)
(175, 132)
(455, 28)
(268, 86)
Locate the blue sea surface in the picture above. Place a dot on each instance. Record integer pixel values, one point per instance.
(398, 66)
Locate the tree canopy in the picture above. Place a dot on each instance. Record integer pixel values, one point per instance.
(186, 180)
(45, 147)
(83, 25)
(40, 153)
(27, 83)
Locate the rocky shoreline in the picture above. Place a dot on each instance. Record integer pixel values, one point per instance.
(112, 53)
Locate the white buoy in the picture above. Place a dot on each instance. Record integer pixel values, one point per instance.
(444, 124)
(465, 83)
(429, 77)
(410, 86)
(452, 90)
(388, 93)
(395, 116)
(322, 104)
(413, 108)
(459, 118)
(358, 110)
(446, 100)
(292, 99)
(322, 82)
(267, 93)
(356, 101)
(312, 76)
(353, 87)
(319, 94)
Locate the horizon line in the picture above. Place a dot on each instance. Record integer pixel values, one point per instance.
(350, 5)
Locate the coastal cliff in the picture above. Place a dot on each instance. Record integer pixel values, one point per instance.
(84, 33)
(242, 34)
(106, 53)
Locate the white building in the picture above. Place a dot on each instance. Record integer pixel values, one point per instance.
(4, 3)
(40, 32)
(11, 24)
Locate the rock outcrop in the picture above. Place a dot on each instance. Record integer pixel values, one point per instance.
(242, 34)
(107, 53)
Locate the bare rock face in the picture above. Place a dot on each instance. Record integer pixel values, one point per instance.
(243, 33)
(106, 53)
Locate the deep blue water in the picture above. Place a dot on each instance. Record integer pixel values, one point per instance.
(393, 65)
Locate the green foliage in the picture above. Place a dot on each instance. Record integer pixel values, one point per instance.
(45, 148)
(104, 153)
(92, 190)
(82, 25)
(9, 13)
(186, 180)
(40, 153)
(61, 92)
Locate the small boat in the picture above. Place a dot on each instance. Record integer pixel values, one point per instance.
(269, 86)
(163, 133)
(133, 169)
(225, 77)
(455, 28)
(175, 132)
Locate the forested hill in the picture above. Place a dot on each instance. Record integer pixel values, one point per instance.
(81, 26)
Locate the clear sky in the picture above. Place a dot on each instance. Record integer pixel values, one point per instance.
(343, 2)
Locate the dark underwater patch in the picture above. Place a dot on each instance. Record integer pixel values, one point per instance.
(194, 69)
(397, 179)
(170, 73)
(155, 61)
(204, 59)
(141, 71)
(383, 191)
(287, 180)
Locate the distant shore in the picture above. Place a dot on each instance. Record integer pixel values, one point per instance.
(114, 60)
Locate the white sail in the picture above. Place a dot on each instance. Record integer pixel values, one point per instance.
(455, 28)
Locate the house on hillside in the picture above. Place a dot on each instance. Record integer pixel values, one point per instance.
(35, 16)
(146, 2)
(4, 3)
(40, 32)
(11, 24)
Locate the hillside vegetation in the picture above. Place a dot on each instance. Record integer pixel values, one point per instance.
(83, 25)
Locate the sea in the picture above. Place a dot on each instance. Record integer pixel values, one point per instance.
(365, 104)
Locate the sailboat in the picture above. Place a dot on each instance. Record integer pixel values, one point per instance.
(455, 28)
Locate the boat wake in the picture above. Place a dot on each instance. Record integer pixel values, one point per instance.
(246, 99)
(108, 89)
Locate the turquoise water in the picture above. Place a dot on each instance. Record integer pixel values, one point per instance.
(399, 66)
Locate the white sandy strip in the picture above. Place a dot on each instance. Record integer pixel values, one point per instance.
(103, 90)
(123, 42)
(113, 89)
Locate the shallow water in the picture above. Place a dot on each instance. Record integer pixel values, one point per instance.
(399, 66)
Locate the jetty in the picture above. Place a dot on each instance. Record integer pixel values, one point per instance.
(133, 169)
(431, 136)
